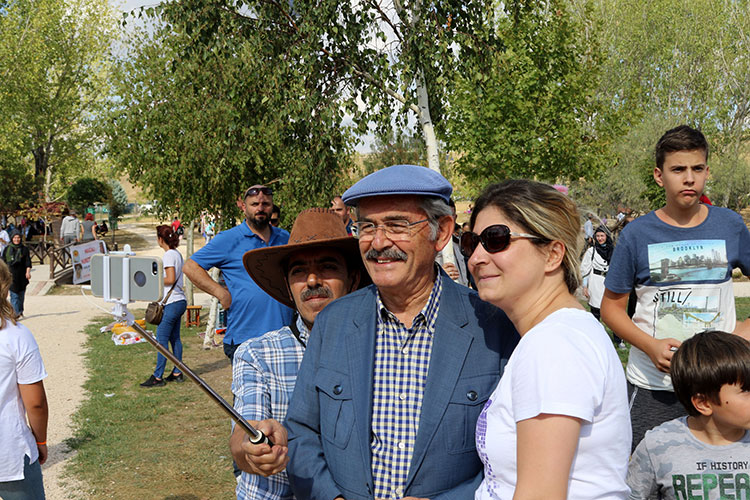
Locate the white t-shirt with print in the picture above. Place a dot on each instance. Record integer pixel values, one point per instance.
(173, 258)
(682, 278)
(565, 365)
(20, 363)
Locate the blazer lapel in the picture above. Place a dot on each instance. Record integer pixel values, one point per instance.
(450, 346)
(361, 353)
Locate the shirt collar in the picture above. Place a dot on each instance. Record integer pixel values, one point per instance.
(428, 313)
(249, 232)
(304, 333)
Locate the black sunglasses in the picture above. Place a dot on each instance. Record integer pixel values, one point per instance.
(494, 238)
(255, 190)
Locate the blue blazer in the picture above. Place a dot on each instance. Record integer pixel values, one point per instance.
(329, 415)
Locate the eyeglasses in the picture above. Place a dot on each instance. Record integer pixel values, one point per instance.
(395, 230)
(255, 190)
(275, 222)
(495, 238)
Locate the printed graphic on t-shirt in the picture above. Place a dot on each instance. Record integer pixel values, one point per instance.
(714, 479)
(689, 260)
(682, 310)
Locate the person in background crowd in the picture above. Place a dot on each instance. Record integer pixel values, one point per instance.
(275, 215)
(588, 230)
(70, 227)
(88, 228)
(18, 259)
(209, 229)
(458, 272)
(23, 405)
(4, 239)
(338, 206)
(250, 311)
(395, 375)
(320, 264)
(557, 425)
(168, 330)
(594, 269)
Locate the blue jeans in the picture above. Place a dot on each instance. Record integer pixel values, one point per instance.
(168, 332)
(30, 487)
(16, 300)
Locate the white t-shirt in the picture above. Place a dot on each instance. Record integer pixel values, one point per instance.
(173, 258)
(20, 363)
(565, 365)
(4, 239)
(592, 261)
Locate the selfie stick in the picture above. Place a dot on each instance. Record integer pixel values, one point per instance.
(120, 312)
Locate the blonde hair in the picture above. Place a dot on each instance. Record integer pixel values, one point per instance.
(7, 313)
(543, 211)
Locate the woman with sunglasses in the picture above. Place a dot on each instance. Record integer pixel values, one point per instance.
(557, 425)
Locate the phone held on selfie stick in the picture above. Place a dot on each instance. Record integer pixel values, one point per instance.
(121, 277)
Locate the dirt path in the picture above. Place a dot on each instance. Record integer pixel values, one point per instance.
(57, 323)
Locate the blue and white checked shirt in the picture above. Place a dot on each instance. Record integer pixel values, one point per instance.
(402, 360)
(263, 376)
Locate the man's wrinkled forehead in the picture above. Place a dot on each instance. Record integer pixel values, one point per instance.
(320, 255)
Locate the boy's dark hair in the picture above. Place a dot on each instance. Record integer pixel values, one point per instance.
(682, 138)
(707, 361)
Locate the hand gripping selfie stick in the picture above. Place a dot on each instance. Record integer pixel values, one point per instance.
(121, 313)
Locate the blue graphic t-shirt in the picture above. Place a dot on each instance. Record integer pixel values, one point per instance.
(683, 280)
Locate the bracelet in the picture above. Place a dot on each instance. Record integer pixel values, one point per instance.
(42, 443)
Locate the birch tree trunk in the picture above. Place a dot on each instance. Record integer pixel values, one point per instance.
(433, 156)
(190, 249)
(208, 338)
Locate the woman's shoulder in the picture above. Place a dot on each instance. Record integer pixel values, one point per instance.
(18, 336)
(568, 326)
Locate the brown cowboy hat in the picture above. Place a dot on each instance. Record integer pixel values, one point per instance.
(313, 228)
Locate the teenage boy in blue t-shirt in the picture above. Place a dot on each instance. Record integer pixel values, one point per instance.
(679, 259)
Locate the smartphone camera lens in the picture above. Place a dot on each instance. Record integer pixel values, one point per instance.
(140, 278)
(154, 269)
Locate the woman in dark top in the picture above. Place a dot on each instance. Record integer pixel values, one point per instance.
(18, 259)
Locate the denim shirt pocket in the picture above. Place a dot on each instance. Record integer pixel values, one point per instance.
(336, 406)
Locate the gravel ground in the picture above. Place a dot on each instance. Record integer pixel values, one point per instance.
(57, 323)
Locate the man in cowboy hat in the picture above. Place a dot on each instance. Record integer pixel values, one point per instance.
(319, 264)
(396, 375)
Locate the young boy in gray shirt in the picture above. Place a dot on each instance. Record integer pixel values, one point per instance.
(706, 454)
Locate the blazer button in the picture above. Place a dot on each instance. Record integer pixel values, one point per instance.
(471, 395)
(337, 390)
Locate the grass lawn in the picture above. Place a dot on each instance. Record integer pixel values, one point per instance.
(158, 443)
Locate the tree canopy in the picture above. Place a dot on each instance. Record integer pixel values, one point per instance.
(53, 65)
(196, 127)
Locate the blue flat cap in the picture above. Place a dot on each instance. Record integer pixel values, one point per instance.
(400, 179)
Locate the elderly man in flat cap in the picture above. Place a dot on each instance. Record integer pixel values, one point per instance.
(319, 264)
(396, 374)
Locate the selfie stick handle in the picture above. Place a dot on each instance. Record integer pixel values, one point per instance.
(256, 436)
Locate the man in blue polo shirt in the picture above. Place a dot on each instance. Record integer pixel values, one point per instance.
(250, 311)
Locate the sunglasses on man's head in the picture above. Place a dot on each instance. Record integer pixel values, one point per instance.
(494, 238)
(255, 190)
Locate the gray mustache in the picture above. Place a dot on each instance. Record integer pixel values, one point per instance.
(388, 253)
(310, 293)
